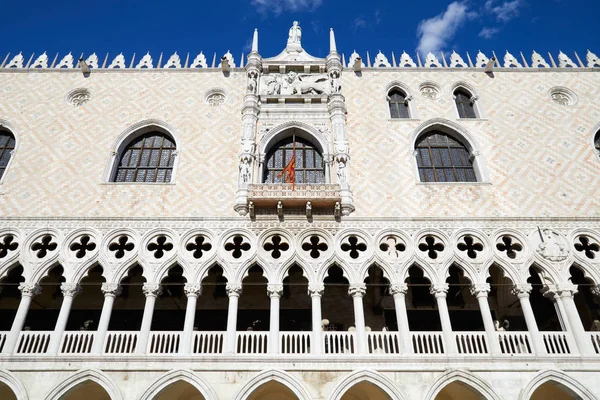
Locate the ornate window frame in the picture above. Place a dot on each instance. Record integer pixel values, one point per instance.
(128, 135)
(412, 109)
(475, 100)
(594, 133)
(462, 135)
(5, 125)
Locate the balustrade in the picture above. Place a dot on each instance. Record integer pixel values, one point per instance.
(164, 342)
(339, 342)
(295, 342)
(120, 342)
(595, 336)
(383, 342)
(3, 336)
(207, 342)
(78, 342)
(427, 342)
(251, 342)
(33, 342)
(556, 342)
(515, 343)
(471, 342)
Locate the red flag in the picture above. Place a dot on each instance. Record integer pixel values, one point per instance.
(289, 172)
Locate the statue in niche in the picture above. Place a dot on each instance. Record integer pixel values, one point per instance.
(336, 87)
(551, 247)
(341, 171)
(252, 84)
(295, 35)
(245, 170)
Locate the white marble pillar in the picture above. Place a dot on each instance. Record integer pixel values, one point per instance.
(481, 291)
(274, 292)
(357, 291)
(151, 290)
(69, 291)
(522, 292)
(398, 292)
(192, 291)
(111, 291)
(28, 291)
(315, 291)
(234, 290)
(565, 293)
(440, 291)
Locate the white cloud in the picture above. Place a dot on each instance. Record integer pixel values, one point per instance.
(434, 33)
(504, 11)
(488, 32)
(279, 6)
(359, 22)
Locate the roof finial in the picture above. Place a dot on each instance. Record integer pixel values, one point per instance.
(255, 41)
(332, 46)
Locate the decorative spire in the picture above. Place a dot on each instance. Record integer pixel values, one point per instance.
(255, 41)
(332, 46)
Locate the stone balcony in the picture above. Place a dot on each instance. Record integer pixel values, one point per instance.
(322, 195)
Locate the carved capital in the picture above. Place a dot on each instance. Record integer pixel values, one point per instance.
(521, 290)
(550, 291)
(234, 289)
(152, 289)
(274, 290)
(357, 290)
(192, 289)
(316, 289)
(480, 290)
(595, 290)
(401, 289)
(70, 289)
(111, 289)
(566, 290)
(439, 290)
(30, 289)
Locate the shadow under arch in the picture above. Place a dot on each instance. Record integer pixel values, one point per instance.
(369, 376)
(14, 384)
(573, 387)
(273, 375)
(82, 376)
(464, 377)
(179, 375)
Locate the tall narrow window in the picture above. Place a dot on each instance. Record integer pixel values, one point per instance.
(308, 162)
(464, 104)
(597, 142)
(398, 102)
(148, 158)
(441, 158)
(7, 145)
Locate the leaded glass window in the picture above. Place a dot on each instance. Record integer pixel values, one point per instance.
(597, 142)
(148, 158)
(309, 165)
(7, 145)
(466, 108)
(398, 104)
(441, 158)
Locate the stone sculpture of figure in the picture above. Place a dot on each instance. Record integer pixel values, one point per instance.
(341, 171)
(551, 248)
(245, 171)
(252, 82)
(335, 82)
(274, 85)
(295, 35)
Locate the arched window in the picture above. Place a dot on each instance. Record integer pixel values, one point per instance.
(308, 162)
(465, 104)
(442, 158)
(398, 102)
(597, 142)
(7, 145)
(148, 158)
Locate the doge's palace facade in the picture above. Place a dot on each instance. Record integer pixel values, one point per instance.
(300, 228)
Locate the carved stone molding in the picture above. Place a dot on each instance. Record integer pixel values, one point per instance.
(234, 289)
(357, 290)
(30, 289)
(480, 290)
(274, 290)
(439, 290)
(192, 289)
(521, 290)
(400, 289)
(152, 289)
(316, 289)
(70, 289)
(111, 289)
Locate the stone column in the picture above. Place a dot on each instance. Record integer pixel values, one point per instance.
(398, 292)
(480, 291)
(28, 291)
(234, 290)
(111, 291)
(440, 291)
(315, 291)
(357, 291)
(69, 291)
(151, 290)
(565, 293)
(192, 291)
(274, 291)
(522, 292)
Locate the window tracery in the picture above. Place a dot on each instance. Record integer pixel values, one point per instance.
(442, 158)
(465, 103)
(7, 145)
(398, 102)
(309, 166)
(147, 158)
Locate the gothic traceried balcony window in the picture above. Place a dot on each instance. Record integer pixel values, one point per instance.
(7, 145)
(308, 162)
(148, 158)
(398, 104)
(465, 103)
(442, 158)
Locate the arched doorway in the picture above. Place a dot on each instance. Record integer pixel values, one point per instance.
(180, 390)
(272, 391)
(6, 392)
(88, 390)
(459, 391)
(365, 390)
(555, 391)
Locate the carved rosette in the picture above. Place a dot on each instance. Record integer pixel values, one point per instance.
(111, 289)
(400, 289)
(357, 290)
(234, 289)
(152, 289)
(439, 290)
(316, 289)
(521, 290)
(192, 289)
(70, 289)
(274, 290)
(480, 290)
(30, 289)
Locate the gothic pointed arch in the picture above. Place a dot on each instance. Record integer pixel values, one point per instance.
(372, 377)
(14, 384)
(308, 132)
(570, 384)
(466, 101)
(472, 381)
(81, 377)
(399, 97)
(273, 375)
(179, 375)
(8, 146)
(144, 152)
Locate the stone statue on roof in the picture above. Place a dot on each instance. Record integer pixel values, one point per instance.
(295, 35)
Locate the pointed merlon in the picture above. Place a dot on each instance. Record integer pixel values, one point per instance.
(444, 59)
(419, 60)
(105, 61)
(132, 61)
(552, 60)
(30, 59)
(368, 60)
(393, 60)
(343, 60)
(469, 58)
(186, 60)
(54, 61)
(332, 46)
(242, 60)
(579, 60)
(160, 59)
(214, 60)
(255, 41)
(524, 60)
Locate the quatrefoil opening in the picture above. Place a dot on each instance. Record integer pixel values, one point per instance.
(199, 245)
(276, 246)
(160, 247)
(121, 246)
(392, 246)
(470, 246)
(237, 246)
(44, 246)
(510, 246)
(315, 246)
(7, 244)
(354, 247)
(83, 246)
(585, 246)
(432, 247)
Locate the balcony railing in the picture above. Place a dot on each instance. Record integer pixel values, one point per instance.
(339, 342)
(595, 336)
(208, 342)
(427, 342)
(294, 342)
(3, 336)
(383, 342)
(251, 342)
(471, 342)
(319, 194)
(556, 342)
(515, 343)
(33, 342)
(77, 342)
(164, 342)
(120, 342)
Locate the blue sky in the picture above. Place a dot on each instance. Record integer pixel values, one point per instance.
(387, 25)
